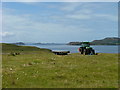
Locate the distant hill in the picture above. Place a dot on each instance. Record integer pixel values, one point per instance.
(30, 43)
(74, 43)
(105, 41)
(37, 43)
(19, 43)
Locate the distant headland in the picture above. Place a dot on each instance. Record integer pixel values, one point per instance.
(105, 41)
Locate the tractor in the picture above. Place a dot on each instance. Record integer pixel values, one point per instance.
(86, 49)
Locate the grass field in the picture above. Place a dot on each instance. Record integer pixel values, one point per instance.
(39, 68)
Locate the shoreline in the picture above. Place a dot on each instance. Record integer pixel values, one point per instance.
(72, 45)
(71, 49)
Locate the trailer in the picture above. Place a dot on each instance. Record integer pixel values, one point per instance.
(61, 52)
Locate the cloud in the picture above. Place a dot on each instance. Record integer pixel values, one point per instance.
(70, 6)
(79, 16)
(25, 29)
(93, 16)
(49, 26)
(24, 23)
(107, 17)
(85, 11)
(6, 34)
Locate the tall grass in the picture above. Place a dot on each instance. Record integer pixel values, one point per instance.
(39, 68)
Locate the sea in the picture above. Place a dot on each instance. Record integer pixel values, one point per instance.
(74, 48)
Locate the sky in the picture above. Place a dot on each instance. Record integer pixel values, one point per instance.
(58, 22)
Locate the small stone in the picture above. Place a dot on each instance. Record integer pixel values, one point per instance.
(11, 69)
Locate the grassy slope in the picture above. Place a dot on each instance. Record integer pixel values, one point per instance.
(39, 68)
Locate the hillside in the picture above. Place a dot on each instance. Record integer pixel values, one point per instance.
(39, 68)
(105, 41)
(18, 43)
(8, 48)
(74, 43)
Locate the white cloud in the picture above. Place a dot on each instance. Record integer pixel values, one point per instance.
(25, 26)
(25, 29)
(79, 16)
(70, 6)
(107, 16)
(25, 23)
(6, 34)
(86, 11)
(93, 16)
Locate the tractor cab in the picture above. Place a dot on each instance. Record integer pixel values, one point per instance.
(86, 49)
(85, 44)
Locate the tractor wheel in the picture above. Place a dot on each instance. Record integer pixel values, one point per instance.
(86, 52)
(93, 52)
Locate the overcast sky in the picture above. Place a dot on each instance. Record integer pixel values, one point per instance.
(58, 22)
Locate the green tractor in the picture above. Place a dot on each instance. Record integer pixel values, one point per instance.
(86, 49)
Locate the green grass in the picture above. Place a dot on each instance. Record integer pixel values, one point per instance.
(39, 68)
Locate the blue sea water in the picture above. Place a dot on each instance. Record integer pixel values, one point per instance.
(74, 48)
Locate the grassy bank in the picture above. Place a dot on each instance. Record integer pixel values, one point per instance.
(39, 68)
